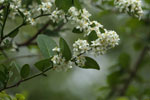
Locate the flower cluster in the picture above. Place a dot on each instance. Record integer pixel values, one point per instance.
(132, 7)
(60, 63)
(45, 7)
(80, 18)
(105, 41)
(57, 15)
(80, 47)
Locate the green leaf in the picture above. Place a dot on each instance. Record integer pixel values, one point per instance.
(91, 64)
(75, 30)
(43, 64)
(66, 52)
(92, 36)
(77, 4)
(122, 98)
(20, 97)
(64, 4)
(13, 34)
(2, 77)
(46, 44)
(132, 91)
(1, 85)
(25, 71)
(16, 66)
(38, 1)
(22, 15)
(51, 33)
(124, 60)
(4, 73)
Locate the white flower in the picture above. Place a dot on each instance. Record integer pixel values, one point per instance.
(73, 12)
(130, 6)
(80, 47)
(94, 26)
(112, 38)
(85, 14)
(45, 6)
(56, 49)
(57, 15)
(82, 24)
(105, 41)
(60, 63)
(80, 61)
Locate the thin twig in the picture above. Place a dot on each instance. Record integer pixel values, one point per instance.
(2, 7)
(19, 57)
(9, 34)
(24, 80)
(26, 43)
(42, 15)
(134, 71)
(4, 22)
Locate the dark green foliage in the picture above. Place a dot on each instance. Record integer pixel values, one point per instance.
(25, 71)
(42, 65)
(64, 4)
(78, 31)
(66, 52)
(91, 64)
(92, 36)
(46, 44)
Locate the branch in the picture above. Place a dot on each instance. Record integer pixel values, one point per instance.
(42, 15)
(9, 34)
(18, 57)
(134, 71)
(24, 80)
(28, 42)
(2, 7)
(34, 37)
(4, 22)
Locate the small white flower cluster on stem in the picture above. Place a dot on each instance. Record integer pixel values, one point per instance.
(105, 41)
(59, 62)
(57, 15)
(132, 7)
(80, 17)
(80, 47)
(45, 6)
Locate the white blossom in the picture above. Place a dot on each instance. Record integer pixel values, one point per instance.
(60, 63)
(132, 7)
(45, 6)
(57, 15)
(80, 61)
(105, 41)
(80, 47)
(80, 18)
(56, 49)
